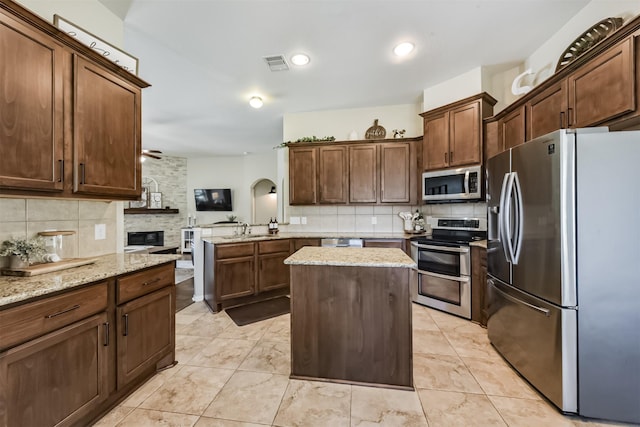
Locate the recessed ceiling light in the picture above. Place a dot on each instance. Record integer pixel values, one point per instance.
(255, 102)
(403, 49)
(300, 59)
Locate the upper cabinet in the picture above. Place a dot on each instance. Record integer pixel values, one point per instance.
(70, 119)
(453, 133)
(358, 172)
(31, 121)
(601, 88)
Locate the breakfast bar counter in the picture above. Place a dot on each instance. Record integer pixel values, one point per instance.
(351, 316)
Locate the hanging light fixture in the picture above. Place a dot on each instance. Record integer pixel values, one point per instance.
(273, 190)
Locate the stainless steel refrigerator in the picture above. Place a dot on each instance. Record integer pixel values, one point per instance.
(564, 268)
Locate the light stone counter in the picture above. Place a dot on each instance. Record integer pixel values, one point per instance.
(306, 235)
(18, 289)
(352, 257)
(479, 243)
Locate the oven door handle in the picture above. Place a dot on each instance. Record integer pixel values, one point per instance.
(444, 276)
(463, 250)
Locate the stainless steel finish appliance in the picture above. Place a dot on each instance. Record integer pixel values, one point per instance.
(341, 243)
(564, 294)
(145, 238)
(460, 184)
(444, 264)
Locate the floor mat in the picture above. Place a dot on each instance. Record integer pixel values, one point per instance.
(257, 311)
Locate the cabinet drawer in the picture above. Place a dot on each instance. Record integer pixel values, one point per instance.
(234, 250)
(141, 283)
(273, 246)
(22, 323)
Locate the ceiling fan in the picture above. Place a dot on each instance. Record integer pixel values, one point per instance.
(152, 154)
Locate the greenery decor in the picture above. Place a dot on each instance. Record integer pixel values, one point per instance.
(309, 139)
(26, 249)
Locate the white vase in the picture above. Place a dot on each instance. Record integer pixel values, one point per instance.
(16, 262)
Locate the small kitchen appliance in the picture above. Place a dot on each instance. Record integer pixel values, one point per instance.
(452, 185)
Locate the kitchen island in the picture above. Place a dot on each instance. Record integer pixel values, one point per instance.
(351, 316)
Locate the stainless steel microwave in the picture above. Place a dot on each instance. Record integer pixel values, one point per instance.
(450, 185)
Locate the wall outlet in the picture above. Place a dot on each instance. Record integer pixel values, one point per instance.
(100, 231)
(294, 220)
(374, 220)
(303, 220)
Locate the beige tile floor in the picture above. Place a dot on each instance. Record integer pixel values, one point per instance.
(230, 376)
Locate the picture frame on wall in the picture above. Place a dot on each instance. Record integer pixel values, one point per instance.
(144, 199)
(112, 53)
(155, 200)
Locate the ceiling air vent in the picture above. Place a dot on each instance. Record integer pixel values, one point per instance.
(276, 63)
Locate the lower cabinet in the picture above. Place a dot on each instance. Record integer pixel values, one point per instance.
(235, 277)
(273, 273)
(68, 358)
(479, 285)
(145, 333)
(387, 243)
(57, 379)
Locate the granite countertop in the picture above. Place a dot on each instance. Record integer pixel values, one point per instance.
(17, 289)
(306, 235)
(352, 257)
(479, 243)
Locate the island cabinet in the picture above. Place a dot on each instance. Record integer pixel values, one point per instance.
(67, 358)
(71, 119)
(242, 273)
(479, 299)
(453, 133)
(355, 172)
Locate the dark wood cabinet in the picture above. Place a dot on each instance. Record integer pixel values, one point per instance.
(492, 141)
(71, 119)
(453, 133)
(57, 379)
(296, 244)
(302, 175)
(547, 111)
(395, 173)
(363, 173)
(146, 333)
(273, 273)
(235, 277)
(479, 299)
(604, 88)
(512, 128)
(31, 107)
(387, 243)
(106, 116)
(332, 174)
(354, 172)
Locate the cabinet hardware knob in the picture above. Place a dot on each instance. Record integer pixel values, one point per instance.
(49, 316)
(157, 279)
(61, 170)
(82, 177)
(561, 119)
(126, 325)
(106, 333)
(445, 157)
(569, 117)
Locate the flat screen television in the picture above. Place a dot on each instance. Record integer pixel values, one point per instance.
(214, 199)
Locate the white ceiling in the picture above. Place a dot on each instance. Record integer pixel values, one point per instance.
(203, 58)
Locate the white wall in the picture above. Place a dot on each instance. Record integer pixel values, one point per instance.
(340, 123)
(543, 61)
(91, 15)
(454, 89)
(239, 173)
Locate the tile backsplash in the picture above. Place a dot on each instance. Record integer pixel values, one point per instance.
(26, 217)
(378, 219)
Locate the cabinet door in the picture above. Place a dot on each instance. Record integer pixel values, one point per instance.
(603, 88)
(363, 179)
(31, 109)
(546, 112)
(58, 378)
(395, 176)
(492, 140)
(235, 277)
(106, 114)
(296, 244)
(435, 145)
(464, 135)
(302, 175)
(146, 333)
(512, 128)
(273, 273)
(332, 179)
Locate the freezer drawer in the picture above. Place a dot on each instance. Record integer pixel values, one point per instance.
(538, 339)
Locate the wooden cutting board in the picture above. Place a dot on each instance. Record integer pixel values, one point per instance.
(47, 267)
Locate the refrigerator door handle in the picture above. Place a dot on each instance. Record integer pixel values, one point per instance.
(502, 233)
(519, 301)
(519, 219)
(506, 218)
(466, 182)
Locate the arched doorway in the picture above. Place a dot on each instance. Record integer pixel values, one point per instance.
(265, 201)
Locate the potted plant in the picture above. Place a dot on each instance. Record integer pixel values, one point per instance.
(22, 252)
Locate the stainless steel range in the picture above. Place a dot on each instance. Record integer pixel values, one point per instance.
(444, 264)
